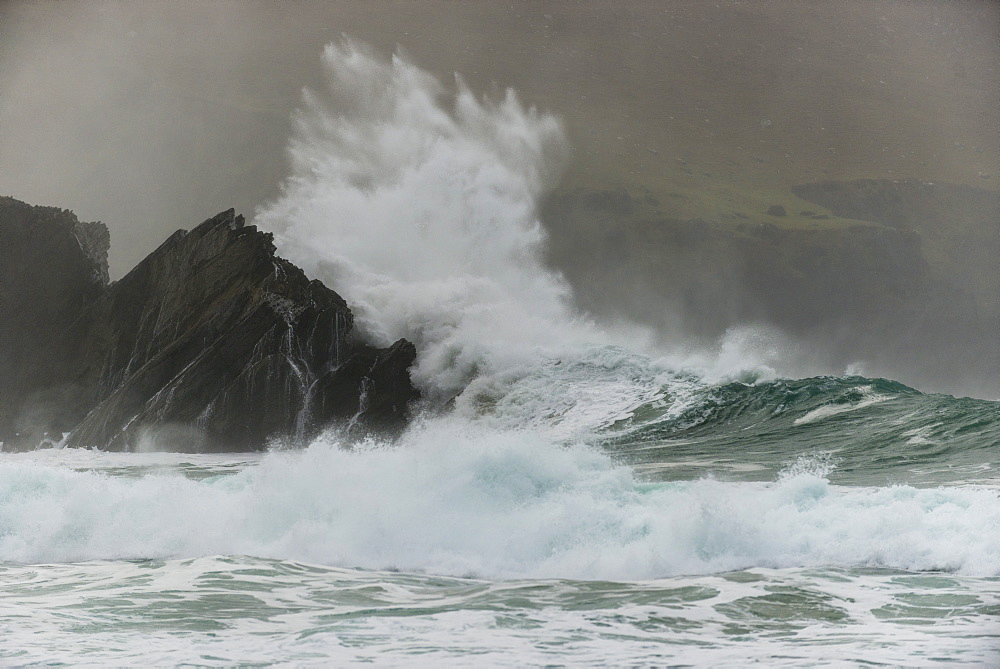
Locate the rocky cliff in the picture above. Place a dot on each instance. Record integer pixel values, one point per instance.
(210, 343)
(959, 225)
(52, 269)
(900, 275)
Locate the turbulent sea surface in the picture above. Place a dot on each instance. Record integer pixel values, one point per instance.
(568, 495)
(811, 521)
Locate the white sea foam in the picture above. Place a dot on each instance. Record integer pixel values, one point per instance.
(868, 398)
(185, 612)
(457, 500)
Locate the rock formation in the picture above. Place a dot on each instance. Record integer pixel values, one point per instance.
(52, 268)
(902, 275)
(210, 343)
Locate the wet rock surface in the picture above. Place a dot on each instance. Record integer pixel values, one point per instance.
(210, 343)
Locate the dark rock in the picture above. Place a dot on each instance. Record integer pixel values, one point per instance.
(776, 210)
(52, 267)
(214, 343)
(385, 389)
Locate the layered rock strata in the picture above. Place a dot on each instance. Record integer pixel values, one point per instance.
(212, 343)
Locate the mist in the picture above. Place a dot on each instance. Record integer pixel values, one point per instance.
(153, 116)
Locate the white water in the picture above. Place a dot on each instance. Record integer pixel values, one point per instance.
(419, 206)
(100, 613)
(454, 500)
(868, 398)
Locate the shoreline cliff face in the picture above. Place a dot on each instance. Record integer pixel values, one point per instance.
(52, 269)
(898, 275)
(210, 343)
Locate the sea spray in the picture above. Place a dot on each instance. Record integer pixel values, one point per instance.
(419, 205)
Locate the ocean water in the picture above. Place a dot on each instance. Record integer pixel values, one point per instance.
(821, 528)
(570, 494)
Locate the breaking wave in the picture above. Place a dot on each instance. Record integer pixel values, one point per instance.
(455, 500)
(418, 203)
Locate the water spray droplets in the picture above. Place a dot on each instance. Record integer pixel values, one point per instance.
(420, 207)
